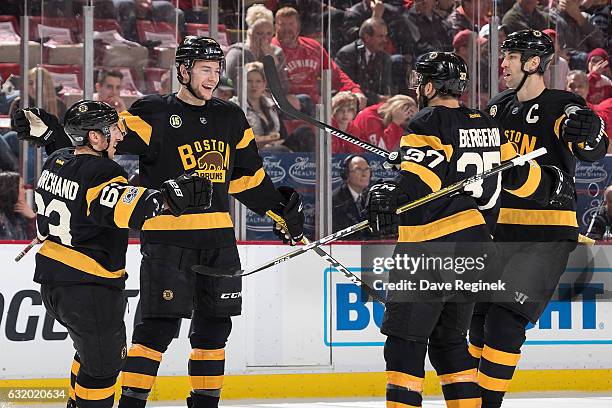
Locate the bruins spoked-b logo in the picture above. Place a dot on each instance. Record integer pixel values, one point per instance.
(209, 158)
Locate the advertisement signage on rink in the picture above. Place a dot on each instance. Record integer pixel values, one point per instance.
(313, 314)
(579, 314)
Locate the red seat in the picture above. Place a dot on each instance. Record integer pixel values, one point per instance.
(153, 75)
(6, 69)
(204, 30)
(56, 22)
(100, 24)
(13, 20)
(66, 81)
(147, 30)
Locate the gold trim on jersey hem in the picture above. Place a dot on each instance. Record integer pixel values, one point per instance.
(189, 222)
(137, 124)
(246, 139)
(561, 218)
(77, 260)
(531, 184)
(124, 210)
(247, 182)
(442, 227)
(415, 140)
(94, 192)
(427, 176)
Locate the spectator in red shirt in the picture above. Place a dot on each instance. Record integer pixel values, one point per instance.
(600, 85)
(382, 124)
(306, 59)
(344, 109)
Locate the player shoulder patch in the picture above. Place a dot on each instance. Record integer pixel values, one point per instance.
(493, 110)
(130, 195)
(176, 121)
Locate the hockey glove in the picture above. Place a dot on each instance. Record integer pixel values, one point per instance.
(187, 192)
(288, 217)
(582, 126)
(563, 191)
(381, 204)
(35, 125)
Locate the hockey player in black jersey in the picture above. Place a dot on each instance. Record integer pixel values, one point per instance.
(191, 131)
(84, 208)
(445, 143)
(531, 117)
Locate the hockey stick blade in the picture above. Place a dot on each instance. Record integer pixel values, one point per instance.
(283, 104)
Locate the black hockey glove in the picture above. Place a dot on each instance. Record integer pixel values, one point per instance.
(35, 125)
(288, 217)
(381, 204)
(563, 191)
(186, 192)
(582, 126)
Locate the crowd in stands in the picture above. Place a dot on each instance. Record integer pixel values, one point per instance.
(368, 46)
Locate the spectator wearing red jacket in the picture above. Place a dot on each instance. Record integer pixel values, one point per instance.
(382, 124)
(600, 85)
(306, 59)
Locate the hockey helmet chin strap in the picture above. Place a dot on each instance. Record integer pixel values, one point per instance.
(423, 99)
(187, 84)
(107, 134)
(525, 73)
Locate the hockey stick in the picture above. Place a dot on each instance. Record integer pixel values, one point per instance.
(453, 188)
(25, 250)
(283, 104)
(335, 263)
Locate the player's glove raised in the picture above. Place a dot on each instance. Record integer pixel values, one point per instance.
(35, 125)
(381, 204)
(582, 126)
(288, 217)
(186, 192)
(563, 190)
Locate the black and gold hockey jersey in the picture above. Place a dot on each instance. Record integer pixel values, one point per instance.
(529, 125)
(84, 208)
(445, 145)
(172, 137)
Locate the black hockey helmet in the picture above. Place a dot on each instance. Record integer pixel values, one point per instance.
(531, 43)
(86, 115)
(194, 48)
(447, 71)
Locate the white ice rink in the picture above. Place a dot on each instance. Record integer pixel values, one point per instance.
(549, 401)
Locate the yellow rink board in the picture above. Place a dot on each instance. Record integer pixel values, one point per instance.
(279, 386)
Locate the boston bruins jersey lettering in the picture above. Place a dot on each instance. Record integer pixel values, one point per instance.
(171, 138)
(84, 207)
(444, 146)
(529, 125)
